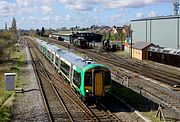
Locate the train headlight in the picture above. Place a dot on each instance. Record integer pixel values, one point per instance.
(88, 91)
(106, 90)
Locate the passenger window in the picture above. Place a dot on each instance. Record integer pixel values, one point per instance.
(56, 61)
(88, 79)
(52, 57)
(65, 68)
(48, 54)
(77, 78)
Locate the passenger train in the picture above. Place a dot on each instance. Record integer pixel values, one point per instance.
(88, 78)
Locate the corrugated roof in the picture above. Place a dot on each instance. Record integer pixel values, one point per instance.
(141, 45)
(158, 17)
(165, 50)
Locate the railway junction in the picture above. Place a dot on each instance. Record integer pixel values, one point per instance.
(156, 81)
(153, 85)
(84, 64)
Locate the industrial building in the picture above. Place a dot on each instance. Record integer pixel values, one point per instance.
(162, 30)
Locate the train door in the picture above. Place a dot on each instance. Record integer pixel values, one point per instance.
(98, 83)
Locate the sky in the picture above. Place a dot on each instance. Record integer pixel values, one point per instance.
(84, 13)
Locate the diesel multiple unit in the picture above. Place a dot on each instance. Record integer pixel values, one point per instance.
(87, 77)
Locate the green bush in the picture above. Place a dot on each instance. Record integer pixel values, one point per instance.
(14, 68)
(5, 114)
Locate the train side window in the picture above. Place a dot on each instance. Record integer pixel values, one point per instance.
(106, 78)
(65, 68)
(52, 57)
(88, 79)
(77, 78)
(48, 53)
(56, 61)
(59, 62)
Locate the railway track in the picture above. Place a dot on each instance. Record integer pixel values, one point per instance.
(52, 100)
(76, 110)
(166, 97)
(156, 74)
(153, 72)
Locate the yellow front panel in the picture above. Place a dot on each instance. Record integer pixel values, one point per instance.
(88, 87)
(98, 84)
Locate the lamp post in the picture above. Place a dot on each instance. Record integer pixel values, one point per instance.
(131, 42)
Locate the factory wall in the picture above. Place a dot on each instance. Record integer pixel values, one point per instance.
(162, 32)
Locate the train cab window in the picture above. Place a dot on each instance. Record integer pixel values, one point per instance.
(77, 78)
(106, 78)
(88, 79)
(65, 68)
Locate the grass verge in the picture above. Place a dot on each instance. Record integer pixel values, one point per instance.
(17, 61)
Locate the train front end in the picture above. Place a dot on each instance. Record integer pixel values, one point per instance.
(97, 80)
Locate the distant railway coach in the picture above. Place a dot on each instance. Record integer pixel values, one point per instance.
(82, 39)
(164, 55)
(87, 77)
(56, 36)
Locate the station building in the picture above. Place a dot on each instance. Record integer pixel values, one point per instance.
(162, 30)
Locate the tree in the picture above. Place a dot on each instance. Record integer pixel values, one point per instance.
(42, 31)
(7, 39)
(32, 32)
(37, 32)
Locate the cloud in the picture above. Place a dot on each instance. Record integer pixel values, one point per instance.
(79, 5)
(115, 17)
(6, 8)
(140, 15)
(32, 19)
(57, 18)
(25, 7)
(87, 5)
(68, 18)
(46, 19)
(47, 2)
(32, 6)
(152, 14)
(47, 10)
(130, 3)
(22, 19)
(23, 2)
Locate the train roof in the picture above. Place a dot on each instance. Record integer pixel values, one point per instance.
(80, 62)
(43, 43)
(76, 60)
(53, 47)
